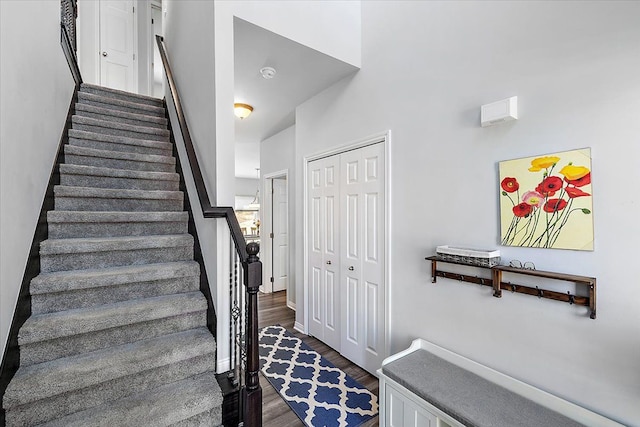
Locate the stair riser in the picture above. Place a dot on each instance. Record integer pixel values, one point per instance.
(121, 96)
(119, 205)
(125, 120)
(74, 180)
(57, 406)
(84, 298)
(76, 344)
(124, 109)
(81, 261)
(204, 419)
(74, 159)
(123, 148)
(70, 230)
(119, 132)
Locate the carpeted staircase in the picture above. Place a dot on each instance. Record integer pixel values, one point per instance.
(117, 335)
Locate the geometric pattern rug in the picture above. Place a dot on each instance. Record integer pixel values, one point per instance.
(320, 394)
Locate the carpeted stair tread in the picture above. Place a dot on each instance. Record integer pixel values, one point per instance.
(163, 406)
(107, 199)
(59, 376)
(117, 173)
(128, 217)
(205, 419)
(119, 104)
(101, 141)
(67, 290)
(61, 281)
(119, 129)
(120, 116)
(50, 326)
(73, 224)
(63, 190)
(103, 252)
(85, 245)
(100, 177)
(119, 160)
(119, 94)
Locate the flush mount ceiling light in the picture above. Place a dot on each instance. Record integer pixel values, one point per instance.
(268, 72)
(242, 110)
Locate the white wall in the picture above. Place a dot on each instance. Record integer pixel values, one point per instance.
(36, 87)
(306, 22)
(189, 39)
(426, 69)
(88, 33)
(246, 186)
(277, 154)
(143, 22)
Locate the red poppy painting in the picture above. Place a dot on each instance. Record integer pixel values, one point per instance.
(546, 201)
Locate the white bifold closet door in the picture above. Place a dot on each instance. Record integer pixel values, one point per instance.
(346, 253)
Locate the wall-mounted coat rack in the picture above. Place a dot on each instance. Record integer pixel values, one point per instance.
(498, 285)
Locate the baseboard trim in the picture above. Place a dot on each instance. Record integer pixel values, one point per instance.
(299, 327)
(223, 365)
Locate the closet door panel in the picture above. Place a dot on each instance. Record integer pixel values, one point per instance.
(323, 250)
(362, 248)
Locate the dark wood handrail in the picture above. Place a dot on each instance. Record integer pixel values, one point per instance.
(208, 211)
(70, 54)
(248, 254)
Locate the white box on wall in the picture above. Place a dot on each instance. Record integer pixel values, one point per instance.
(499, 112)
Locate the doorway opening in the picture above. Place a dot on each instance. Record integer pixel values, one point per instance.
(276, 250)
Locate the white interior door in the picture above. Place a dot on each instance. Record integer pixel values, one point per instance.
(280, 242)
(323, 241)
(117, 47)
(362, 201)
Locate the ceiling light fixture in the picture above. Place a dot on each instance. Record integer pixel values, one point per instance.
(268, 72)
(242, 111)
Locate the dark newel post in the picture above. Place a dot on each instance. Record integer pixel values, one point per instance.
(252, 390)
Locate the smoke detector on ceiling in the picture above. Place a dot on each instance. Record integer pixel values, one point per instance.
(268, 72)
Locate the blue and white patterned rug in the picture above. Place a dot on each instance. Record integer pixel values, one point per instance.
(318, 392)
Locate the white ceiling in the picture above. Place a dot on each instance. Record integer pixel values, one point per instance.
(301, 72)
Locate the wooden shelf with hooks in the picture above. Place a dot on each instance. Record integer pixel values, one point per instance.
(496, 281)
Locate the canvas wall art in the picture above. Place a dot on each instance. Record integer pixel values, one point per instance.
(547, 201)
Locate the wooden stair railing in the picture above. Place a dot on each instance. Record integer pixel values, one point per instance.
(247, 254)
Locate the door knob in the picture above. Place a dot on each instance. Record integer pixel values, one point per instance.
(351, 268)
(328, 262)
(104, 53)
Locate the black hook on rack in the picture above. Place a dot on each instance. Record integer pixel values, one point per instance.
(513, 287)
(540, 292)
(571, 298)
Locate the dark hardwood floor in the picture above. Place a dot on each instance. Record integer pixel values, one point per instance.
(275, 411)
